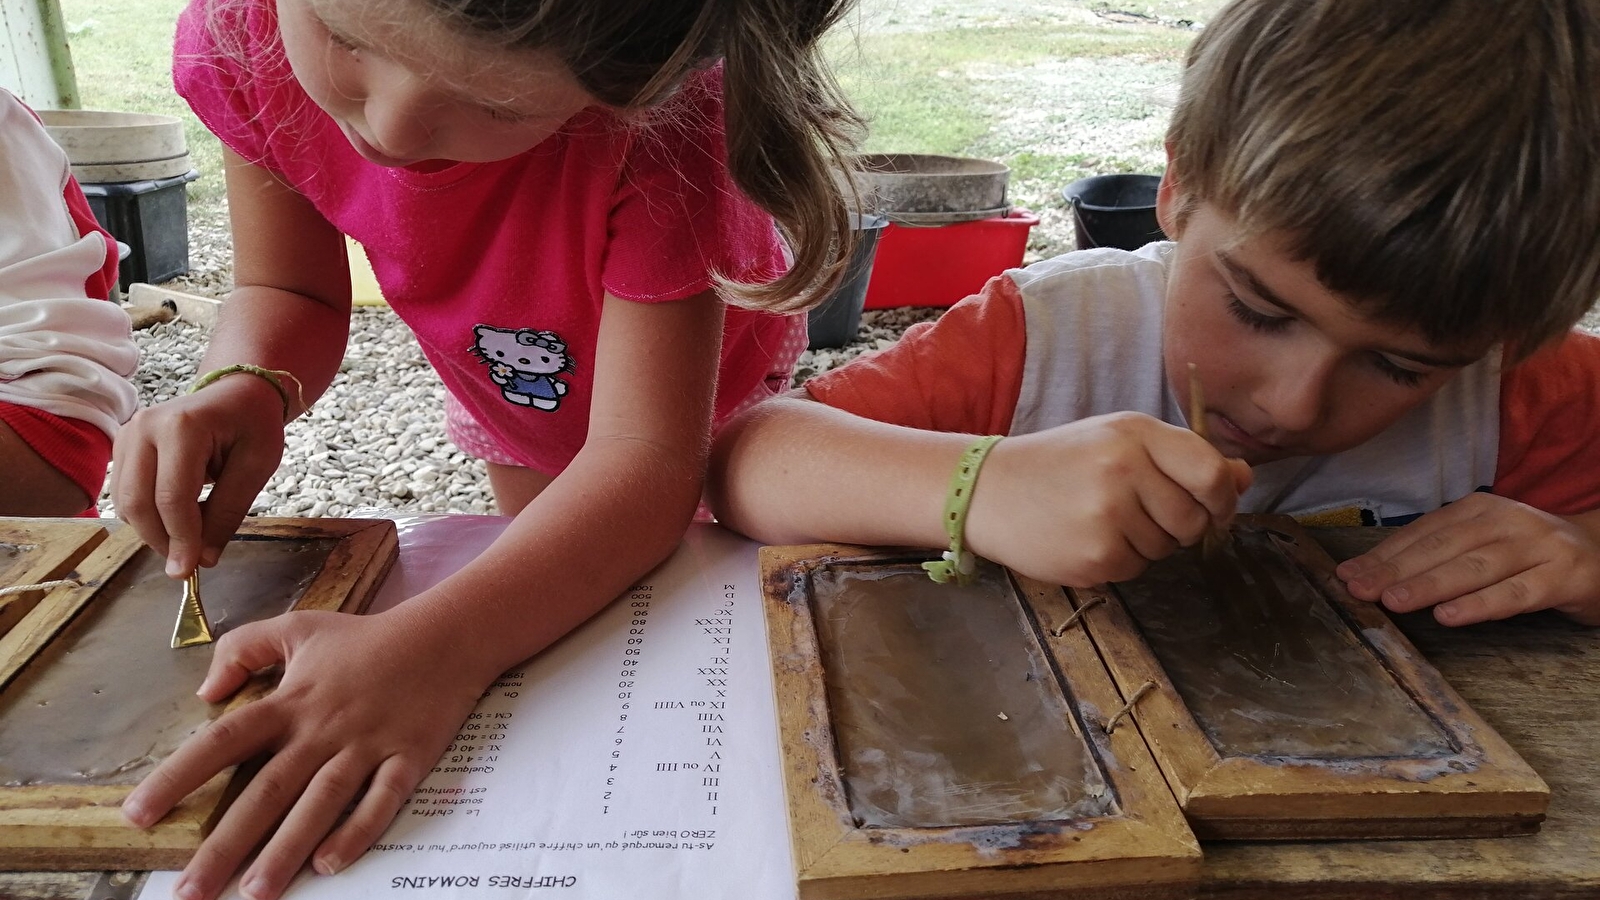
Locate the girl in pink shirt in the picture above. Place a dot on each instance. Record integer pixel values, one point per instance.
(551, 200)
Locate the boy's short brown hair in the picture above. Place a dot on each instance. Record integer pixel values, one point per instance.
(1435, 161)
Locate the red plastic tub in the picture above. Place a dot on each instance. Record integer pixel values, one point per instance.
(937, 265)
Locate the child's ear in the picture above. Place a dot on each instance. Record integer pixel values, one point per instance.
(1170, 200)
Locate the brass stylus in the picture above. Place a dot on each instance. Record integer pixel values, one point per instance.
(191, 629)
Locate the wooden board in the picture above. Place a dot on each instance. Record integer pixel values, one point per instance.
(857, 833)
(1298, 712)
(92, 697)
(34, 551)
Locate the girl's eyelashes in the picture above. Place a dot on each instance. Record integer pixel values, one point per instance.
(505, 115)
(340, 41)
(1397, 373)
(1255, 319)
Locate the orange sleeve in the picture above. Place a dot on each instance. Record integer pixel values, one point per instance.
(960, 374)
(77, 449)
(1550, 428)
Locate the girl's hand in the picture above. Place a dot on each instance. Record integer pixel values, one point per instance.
(230, 433)
(1484, 557)
(365, 707)
(1099, 499)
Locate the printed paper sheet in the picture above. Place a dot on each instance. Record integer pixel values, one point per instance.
(636, 758)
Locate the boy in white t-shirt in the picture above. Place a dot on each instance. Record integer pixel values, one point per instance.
(1384, 219)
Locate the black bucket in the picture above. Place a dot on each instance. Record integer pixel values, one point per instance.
(834, 323)
(1115, 210)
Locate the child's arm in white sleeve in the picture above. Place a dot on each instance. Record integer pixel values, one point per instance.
(61, 351)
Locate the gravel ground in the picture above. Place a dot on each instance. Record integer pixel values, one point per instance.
(376, 438)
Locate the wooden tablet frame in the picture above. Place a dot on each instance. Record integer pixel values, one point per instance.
(53, 547)
(1484, 789)
(1146, 850)
(78, 827)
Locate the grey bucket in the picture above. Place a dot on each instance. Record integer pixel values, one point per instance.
(1115, 210)
(834, 322)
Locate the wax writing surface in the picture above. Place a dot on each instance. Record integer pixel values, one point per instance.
(1265, 663)
(944, 707)
(109, 698)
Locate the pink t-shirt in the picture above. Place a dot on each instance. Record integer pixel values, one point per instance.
(500, 268)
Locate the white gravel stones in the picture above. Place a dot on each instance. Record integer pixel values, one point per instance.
(376, 438)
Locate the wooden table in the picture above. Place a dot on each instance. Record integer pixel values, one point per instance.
(1535, 678)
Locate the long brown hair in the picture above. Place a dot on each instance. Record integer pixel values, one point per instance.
(789, 128)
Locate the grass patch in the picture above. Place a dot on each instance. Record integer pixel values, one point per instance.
(1060, 170)
(122, 51)
(1044, 100)
(922, 92)
(1183, 11)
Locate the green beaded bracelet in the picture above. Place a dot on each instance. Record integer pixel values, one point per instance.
(958, 563)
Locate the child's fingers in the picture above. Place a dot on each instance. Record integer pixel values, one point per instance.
(200, 879)
(1210, 478)
(1419, 547)
(241, 653)
(1501, 600)
(228, 741)
(261, 804)
(330, 792)
(1425, 583)
(180, 474)
(1176, 519)
(133, 473)
(1148, 539)
(1368, 574)
(236, 488)
(1122, 561)
(1243, 476)
(390, 787)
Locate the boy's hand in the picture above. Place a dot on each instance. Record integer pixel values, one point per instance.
(364, 709)
(231, 432)
(1484, 557)
(1099, 499)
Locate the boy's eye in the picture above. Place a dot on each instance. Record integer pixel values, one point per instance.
(1399, 374)
(1256, 319)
